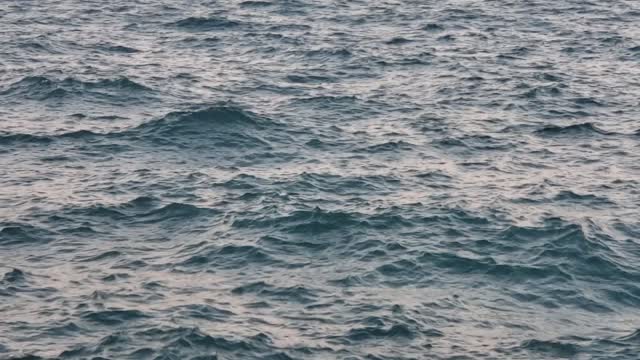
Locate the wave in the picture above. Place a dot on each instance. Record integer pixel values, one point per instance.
(579, 250)
(633, 337)
(290, 27)
(557, 252)
(309, 222)
(292, 246)
(328, 100)
(436, 175)
(210, 117)
(27, 357)
(40, 44)
(552, 91)
(244, 182)
(571, 196)
(205, 23)
(202, 311)
(44, 88)
(12, 234)
(310, 79)
(551, 348)
(142, 210)
(587, 102)
(327, 223)
(355, 281)
(114, 317)
(13, 139)
(228, 257)
(368, 333)
(433, 27)
(298, 294)
(174, 211)
(216, 126)
(389, 146)
(398, 41)
(329, 53)
(118, 48)
(178, 340)
(396, 273)
(582, 129)
(458, 264)
(342, 185)
(107, 255)
(420, 59)
(474, 142)
(254, 4)
(162, 342)
(13, 276)
(35, 87)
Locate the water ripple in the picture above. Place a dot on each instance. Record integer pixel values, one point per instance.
(300, 179)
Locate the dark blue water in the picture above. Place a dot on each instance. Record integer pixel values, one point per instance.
(296, 179)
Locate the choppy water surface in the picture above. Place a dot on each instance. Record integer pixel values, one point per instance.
(296, 179)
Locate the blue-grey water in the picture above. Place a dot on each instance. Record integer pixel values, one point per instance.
(297, 179)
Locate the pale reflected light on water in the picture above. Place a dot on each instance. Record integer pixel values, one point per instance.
(319, 180)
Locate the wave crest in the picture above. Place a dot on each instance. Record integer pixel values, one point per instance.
(575, 130)
(205, 23)
(44, 88)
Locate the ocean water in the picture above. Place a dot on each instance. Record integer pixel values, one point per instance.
(297, 179)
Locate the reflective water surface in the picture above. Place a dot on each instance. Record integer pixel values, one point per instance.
(296, 179)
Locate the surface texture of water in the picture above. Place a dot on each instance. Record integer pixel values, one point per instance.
(296, 179)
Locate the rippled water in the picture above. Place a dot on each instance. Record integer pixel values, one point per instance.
(296, 179)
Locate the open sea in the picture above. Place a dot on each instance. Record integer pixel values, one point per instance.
(319, 179)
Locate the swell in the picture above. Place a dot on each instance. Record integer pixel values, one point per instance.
(369, 215)
(552, 348)
(227, 257)
(312, 183)
(141, 210)
(581, 129)
(475, 143)
(310, 222)
(12, 234)
(195, 23)
(261, 290)
(163, 342)
(551, 257)
(211, 117)
(187, 341)
(582, 250)
(216, 126)
(212, 126)
(329, 223)
(43, 88)
(390, 146)
(15, 139)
